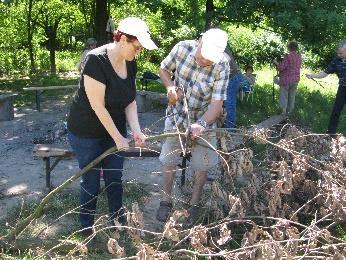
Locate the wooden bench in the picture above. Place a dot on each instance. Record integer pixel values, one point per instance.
(40, 90)
(48, 152)
(148, 77)
(6, 106)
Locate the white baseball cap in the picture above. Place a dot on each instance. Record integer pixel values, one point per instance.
(137, 27)
(214, 43)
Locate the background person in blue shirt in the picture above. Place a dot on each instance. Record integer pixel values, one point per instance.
(249, 79)
(337, 66)
(235, 80)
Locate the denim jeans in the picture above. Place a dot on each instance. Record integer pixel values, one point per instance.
(231, 101)
(340, 101)
(86, 150)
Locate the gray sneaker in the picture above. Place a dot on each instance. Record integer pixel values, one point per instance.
(193, 217)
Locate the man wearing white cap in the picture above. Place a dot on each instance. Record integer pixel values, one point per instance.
(201, 72)
(105, 100)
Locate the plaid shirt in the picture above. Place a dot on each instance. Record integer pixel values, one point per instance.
(201, 84)
(338, 66)
(289, 68)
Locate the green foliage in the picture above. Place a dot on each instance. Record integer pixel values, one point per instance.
(316, 24)
(340, 231)
(312, 110)
(67, 61)
(257, 47)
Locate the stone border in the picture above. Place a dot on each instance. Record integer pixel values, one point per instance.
(148, 100)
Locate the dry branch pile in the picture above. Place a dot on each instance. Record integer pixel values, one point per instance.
(293, 196)
(279, 197)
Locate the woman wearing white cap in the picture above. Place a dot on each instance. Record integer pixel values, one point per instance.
(105, 100)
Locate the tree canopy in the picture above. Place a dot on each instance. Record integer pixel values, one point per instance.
(32, 31)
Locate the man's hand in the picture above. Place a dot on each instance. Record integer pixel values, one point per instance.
(172, 95)
(196, 130)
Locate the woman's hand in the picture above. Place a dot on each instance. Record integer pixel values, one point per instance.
(139, 139)
(122, 143)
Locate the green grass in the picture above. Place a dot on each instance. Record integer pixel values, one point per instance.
(313, 103)
(340, 231)
(27, 98)
(66, 201)
(61, 204)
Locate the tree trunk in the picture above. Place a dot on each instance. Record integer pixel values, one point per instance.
(209, 14)
(51, 33)
(30, 30)
(101, 21)
(52, 60)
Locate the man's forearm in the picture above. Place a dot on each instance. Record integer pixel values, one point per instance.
(320, 75)
(166, 78)
(213, 112)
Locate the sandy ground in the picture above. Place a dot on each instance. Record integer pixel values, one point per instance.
(22, 176)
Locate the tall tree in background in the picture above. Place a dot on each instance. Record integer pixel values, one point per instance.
(209, 14)
(30, 33)
(53, 13)
(32, 15)
(101, 17)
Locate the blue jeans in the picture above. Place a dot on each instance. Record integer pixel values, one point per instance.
(231, 101)
(86, 150)
(340, 101)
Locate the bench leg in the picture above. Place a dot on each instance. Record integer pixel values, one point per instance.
(38, 94)
(48, 170)
(6, 110)
(182, 177)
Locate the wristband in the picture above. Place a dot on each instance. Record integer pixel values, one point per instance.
(202, 123)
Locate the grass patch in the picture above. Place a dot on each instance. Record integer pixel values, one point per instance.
(28, 97)
(313, 103)
(340, 231)
(64, 227)
(65, 202)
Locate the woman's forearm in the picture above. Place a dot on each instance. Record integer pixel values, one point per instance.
(107, 121)
(132, 116)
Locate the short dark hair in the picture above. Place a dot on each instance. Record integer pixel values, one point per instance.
(292, 46)
(248, 67)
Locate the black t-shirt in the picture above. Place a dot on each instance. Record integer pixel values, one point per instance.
(82, 120)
